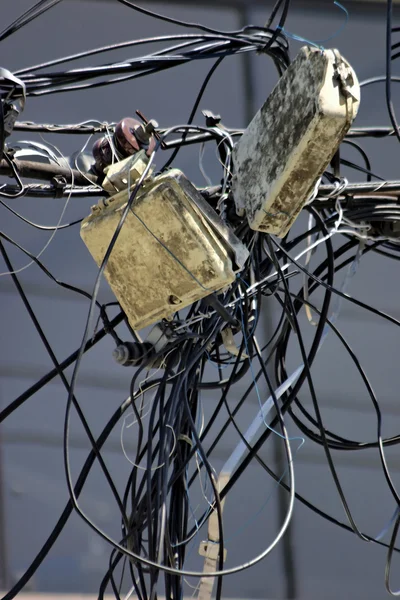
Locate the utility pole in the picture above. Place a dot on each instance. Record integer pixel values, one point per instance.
(4, 576)
(288, 556)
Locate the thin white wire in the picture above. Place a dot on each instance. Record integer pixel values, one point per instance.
(201, 316)
(44, 148)
(145, 380)
(193, 587)
(198, 587)
(371, 238)
(167, 569)
(202, 417)
(201, 482)
(311, 223)
(132, 414)
(201, 165)
(203, 489)
(145, 468)
(362, 226)
(287, 265)
(162, 364)
(77, 166)
(228, 161)
(221, 202)
(310, 251)
(56, 227)
(338, 300)
(252, 288)
(196, 319)
(113, 150)
(314, 193)
(289, 439)
(346, 220)
(334, 231)
(132, 589)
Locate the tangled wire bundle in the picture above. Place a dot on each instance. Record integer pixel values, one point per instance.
(175, 443)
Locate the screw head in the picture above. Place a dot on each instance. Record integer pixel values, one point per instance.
(121, 354)
(174, 300)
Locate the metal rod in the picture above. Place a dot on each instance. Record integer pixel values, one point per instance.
(372, 187)
(35, 170)
(69, 129)
(4, 563)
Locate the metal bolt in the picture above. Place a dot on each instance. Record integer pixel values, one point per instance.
(121, 354)
(174, 299)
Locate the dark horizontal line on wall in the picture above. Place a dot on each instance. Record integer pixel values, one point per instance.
(345, 459)
(304, 456)
(65, 596)
(367, 459)
(54, 440)
(54, 292)
(114, 382)
(355, 5)
(86, 379)
(348, 310)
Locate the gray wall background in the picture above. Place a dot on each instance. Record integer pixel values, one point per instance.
(326, 562)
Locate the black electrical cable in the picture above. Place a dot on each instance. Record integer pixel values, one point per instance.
(194, 110)
(167, 19)
(119, 46)
(78, 487)
(42, 227)
(279, 28)
(21, 583)
(321, 325)
(273, 14)
(237, 407)
(191, 573)
(62, 377)
(368, 167)
(115, 558)
(157, 502)
(223, 46)
(389, 558)
(27, 17)
(320, 269)
(351, 165)
(301, 499)
(334, 290)
(2, 129)
(346, 444)
(151, 436)
(33, 389)
(41, 266)
(103, 315)
(265, 435)
(389, 102)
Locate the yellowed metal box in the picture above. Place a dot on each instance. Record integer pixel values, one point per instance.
(172, 250)
(292, 139)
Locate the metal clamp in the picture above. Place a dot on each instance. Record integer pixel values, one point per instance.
(344, 75)
(210, 549)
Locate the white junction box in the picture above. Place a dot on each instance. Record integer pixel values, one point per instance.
(172, 250)
(293, 138)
